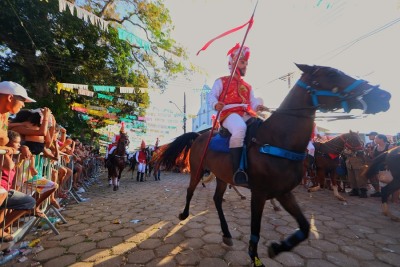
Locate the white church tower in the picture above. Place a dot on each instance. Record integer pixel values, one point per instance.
(203, 119)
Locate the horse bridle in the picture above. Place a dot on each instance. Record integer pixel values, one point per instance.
(349, 146)
(345, 95)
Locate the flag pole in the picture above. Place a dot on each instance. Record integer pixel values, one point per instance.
(225, 91)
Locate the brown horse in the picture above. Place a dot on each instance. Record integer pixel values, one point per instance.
(389, 160)
(328, 159)
(117, 161)
(276, 151)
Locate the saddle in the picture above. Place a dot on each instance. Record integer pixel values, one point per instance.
(220, 142)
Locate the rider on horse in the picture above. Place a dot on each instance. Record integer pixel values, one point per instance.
(114, 143)
(237, 104)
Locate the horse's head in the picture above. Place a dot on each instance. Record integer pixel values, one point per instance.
(123, 139)
(331, 89)
(352, 141)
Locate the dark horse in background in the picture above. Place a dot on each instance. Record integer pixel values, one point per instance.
(117, 161)
(391, 161)
(287, 130)
(328, 159)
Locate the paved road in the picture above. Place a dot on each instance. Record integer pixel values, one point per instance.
(138, 226)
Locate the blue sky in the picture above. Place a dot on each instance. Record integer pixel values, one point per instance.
(359, 37)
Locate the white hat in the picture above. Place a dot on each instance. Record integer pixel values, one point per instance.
(12, 88)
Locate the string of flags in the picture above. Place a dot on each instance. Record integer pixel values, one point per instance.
(83, 14)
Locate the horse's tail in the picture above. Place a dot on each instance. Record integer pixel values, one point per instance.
(176, 153)
(374, 166)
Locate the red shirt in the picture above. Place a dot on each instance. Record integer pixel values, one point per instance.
(142, 156)
(7, 178)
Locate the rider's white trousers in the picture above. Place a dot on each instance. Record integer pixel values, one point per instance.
(141, 167)
(236, 125)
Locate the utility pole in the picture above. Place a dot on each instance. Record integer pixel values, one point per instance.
(184, 112)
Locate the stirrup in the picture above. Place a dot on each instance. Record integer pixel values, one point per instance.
(240, 178)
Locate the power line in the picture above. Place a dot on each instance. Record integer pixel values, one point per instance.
(373, 32)
(351, 43)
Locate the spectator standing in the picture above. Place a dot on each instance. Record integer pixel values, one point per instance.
(381, 145)
(355, 164)
(141, 159)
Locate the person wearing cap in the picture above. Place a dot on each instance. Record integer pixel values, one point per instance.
(236, 103)
(12, 99)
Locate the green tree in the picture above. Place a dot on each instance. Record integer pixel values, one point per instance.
(40, 46)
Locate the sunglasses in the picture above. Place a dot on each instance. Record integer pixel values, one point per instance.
(20, 98)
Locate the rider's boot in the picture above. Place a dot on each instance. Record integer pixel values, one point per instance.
(137, 177)
(141, 176)
(239, 176)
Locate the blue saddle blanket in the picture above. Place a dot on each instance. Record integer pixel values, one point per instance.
(219, 144)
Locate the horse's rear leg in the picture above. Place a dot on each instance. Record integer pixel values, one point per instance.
(289, 203)
(218, 199)
(386, 191)
(274, 206)
(189, 194)
(238, 192)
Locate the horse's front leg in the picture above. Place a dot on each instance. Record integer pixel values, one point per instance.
(335, 188)
(115, 183)
(320, 180)
(194, 181)
(289, 203)
(218, 199)
(257, 208)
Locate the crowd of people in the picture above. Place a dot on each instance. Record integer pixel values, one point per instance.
(357, 162)
(28, 138)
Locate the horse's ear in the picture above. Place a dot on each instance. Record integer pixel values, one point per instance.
(305, 68)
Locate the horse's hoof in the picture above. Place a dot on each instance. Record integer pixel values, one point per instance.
(272, 250)
(182, 217)
(395, 219)
(227, 241)
(257, 262)
(314, 189)
(115, 188)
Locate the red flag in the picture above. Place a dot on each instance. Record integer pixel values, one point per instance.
(250, 22)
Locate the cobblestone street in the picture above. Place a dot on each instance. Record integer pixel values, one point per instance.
(139, 226)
